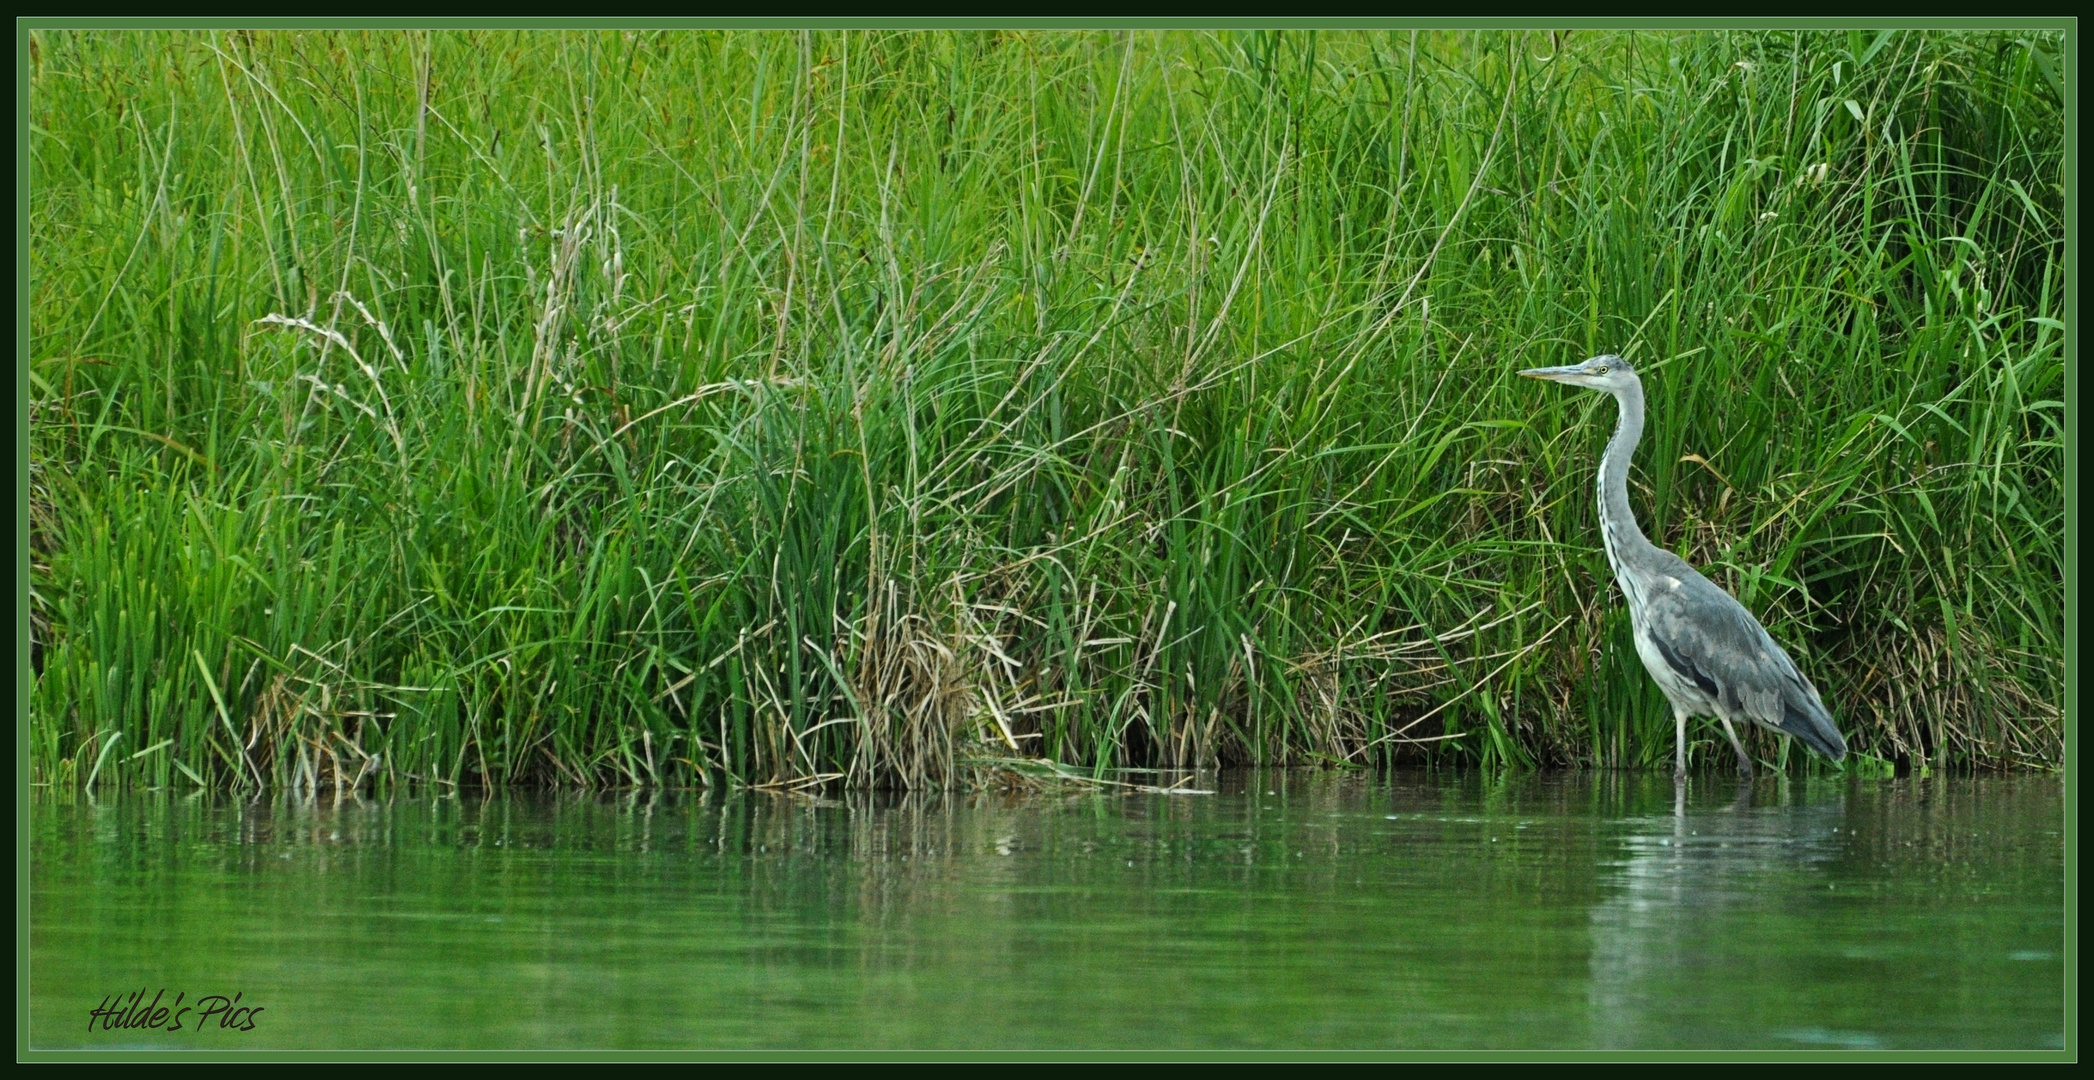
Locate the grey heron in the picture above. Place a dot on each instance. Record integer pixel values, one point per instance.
(1704, 650)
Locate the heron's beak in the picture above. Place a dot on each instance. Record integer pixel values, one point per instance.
(1555, 374)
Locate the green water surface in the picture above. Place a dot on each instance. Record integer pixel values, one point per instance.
(1287, 910)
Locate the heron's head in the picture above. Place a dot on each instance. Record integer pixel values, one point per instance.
(1609, 373)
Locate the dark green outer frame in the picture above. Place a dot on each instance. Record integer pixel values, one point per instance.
(23, 26)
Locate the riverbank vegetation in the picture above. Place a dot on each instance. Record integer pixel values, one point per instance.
(484, 408)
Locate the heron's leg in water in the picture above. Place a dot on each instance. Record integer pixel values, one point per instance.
(1679, 743)
(1744, 759)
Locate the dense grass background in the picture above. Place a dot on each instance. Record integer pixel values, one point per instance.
(492, 407)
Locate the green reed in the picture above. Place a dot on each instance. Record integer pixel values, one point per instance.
(810, 408)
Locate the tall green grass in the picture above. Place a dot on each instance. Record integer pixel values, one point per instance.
(793, 408)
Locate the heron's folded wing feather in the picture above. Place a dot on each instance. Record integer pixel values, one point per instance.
(1716, 639)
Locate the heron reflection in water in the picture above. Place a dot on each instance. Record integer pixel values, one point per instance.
(1706, 652)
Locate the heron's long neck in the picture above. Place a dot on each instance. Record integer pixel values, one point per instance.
(1617, 524)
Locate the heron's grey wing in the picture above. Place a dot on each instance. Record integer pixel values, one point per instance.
(1710, 639)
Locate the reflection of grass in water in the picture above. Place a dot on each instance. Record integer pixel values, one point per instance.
(1848, 1040)
(796, 409)
(1301, 918)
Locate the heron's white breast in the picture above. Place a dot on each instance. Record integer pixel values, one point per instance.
(1678, 688)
